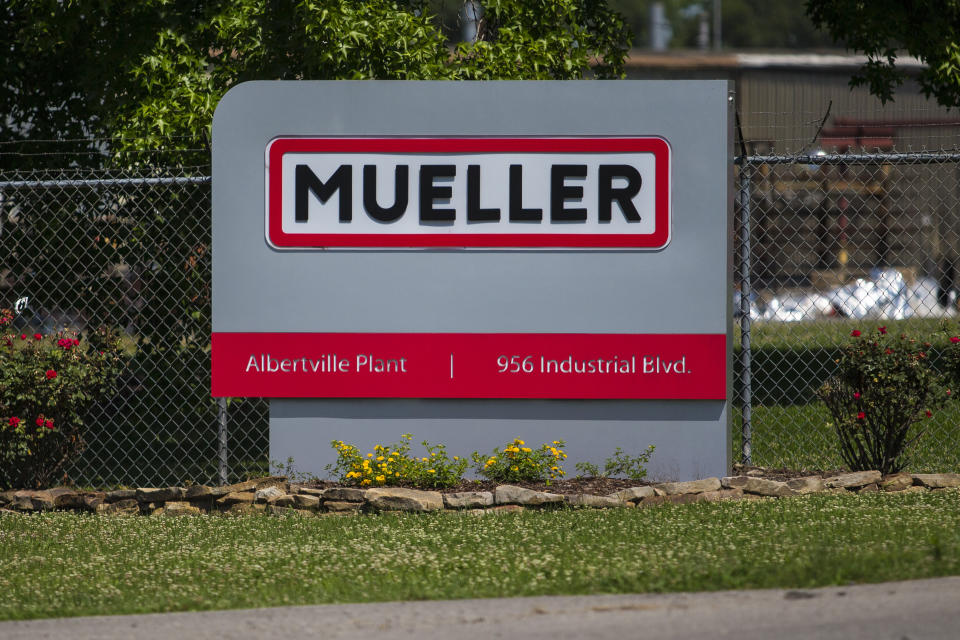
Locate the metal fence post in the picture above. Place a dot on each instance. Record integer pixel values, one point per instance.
(222, 440)
(745, 291)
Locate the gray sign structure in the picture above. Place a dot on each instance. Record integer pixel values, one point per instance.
(684, 288)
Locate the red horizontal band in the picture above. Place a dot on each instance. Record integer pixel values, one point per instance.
(469, 365)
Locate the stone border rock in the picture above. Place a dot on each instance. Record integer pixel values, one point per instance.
(275, 495)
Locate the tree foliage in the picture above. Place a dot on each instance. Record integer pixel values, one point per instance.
(883, 30)
(151, 72)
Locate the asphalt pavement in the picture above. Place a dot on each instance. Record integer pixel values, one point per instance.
(912, 610)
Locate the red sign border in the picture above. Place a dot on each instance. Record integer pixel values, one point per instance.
(659, 147)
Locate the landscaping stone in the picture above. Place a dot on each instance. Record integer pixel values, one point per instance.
(286, 500)
(236, 497)
(938, 480)
(128, 506)
(93, 501)
(273, 481)
(853, 480)
(150, 494)
(691, 486)
(268, 494)
(467, 499)
(275, 495)
(763, 487)
(679, 498)
(198, 492)
(721, 495)
(730, 482)
(599, 502)
(306, 502)
(120, 494)
(509, 494)
(20, 500)
(43, 501)
(804, 486)
(344, 494)
(338, 506)
(400, 499)
(180, 509)
(252, 485)
(65, 497)
(896, 482)
(32, 501)
(633, 494)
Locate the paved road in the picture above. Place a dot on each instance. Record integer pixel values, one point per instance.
(914, 610)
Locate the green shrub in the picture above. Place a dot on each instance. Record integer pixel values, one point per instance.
(883, 390)
(47, 384)
(619, 465)
(392, 465)
(520, 463)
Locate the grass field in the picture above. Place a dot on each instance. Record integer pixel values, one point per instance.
(790, 360)
(62, 564)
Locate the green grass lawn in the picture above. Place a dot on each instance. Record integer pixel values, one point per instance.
(64, 564)
(790, 360)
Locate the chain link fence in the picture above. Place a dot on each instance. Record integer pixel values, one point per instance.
(131, 252)
(824, 244)
(829, 243)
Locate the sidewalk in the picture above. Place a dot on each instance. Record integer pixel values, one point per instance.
(914, 610)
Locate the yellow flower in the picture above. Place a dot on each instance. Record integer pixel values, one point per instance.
(514, 468)
(525, 449)
(424, 459)
(365, 481)
(366, 463)
(556, 442)
(456, 457)
(431, 471)
(379, 458)
(381, 478)
(396, 473)
(519, 441)
(369, 455)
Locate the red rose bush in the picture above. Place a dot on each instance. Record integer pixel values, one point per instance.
(883, 391)
(47, 385)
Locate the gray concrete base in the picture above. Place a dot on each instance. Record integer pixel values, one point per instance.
(690, 439)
